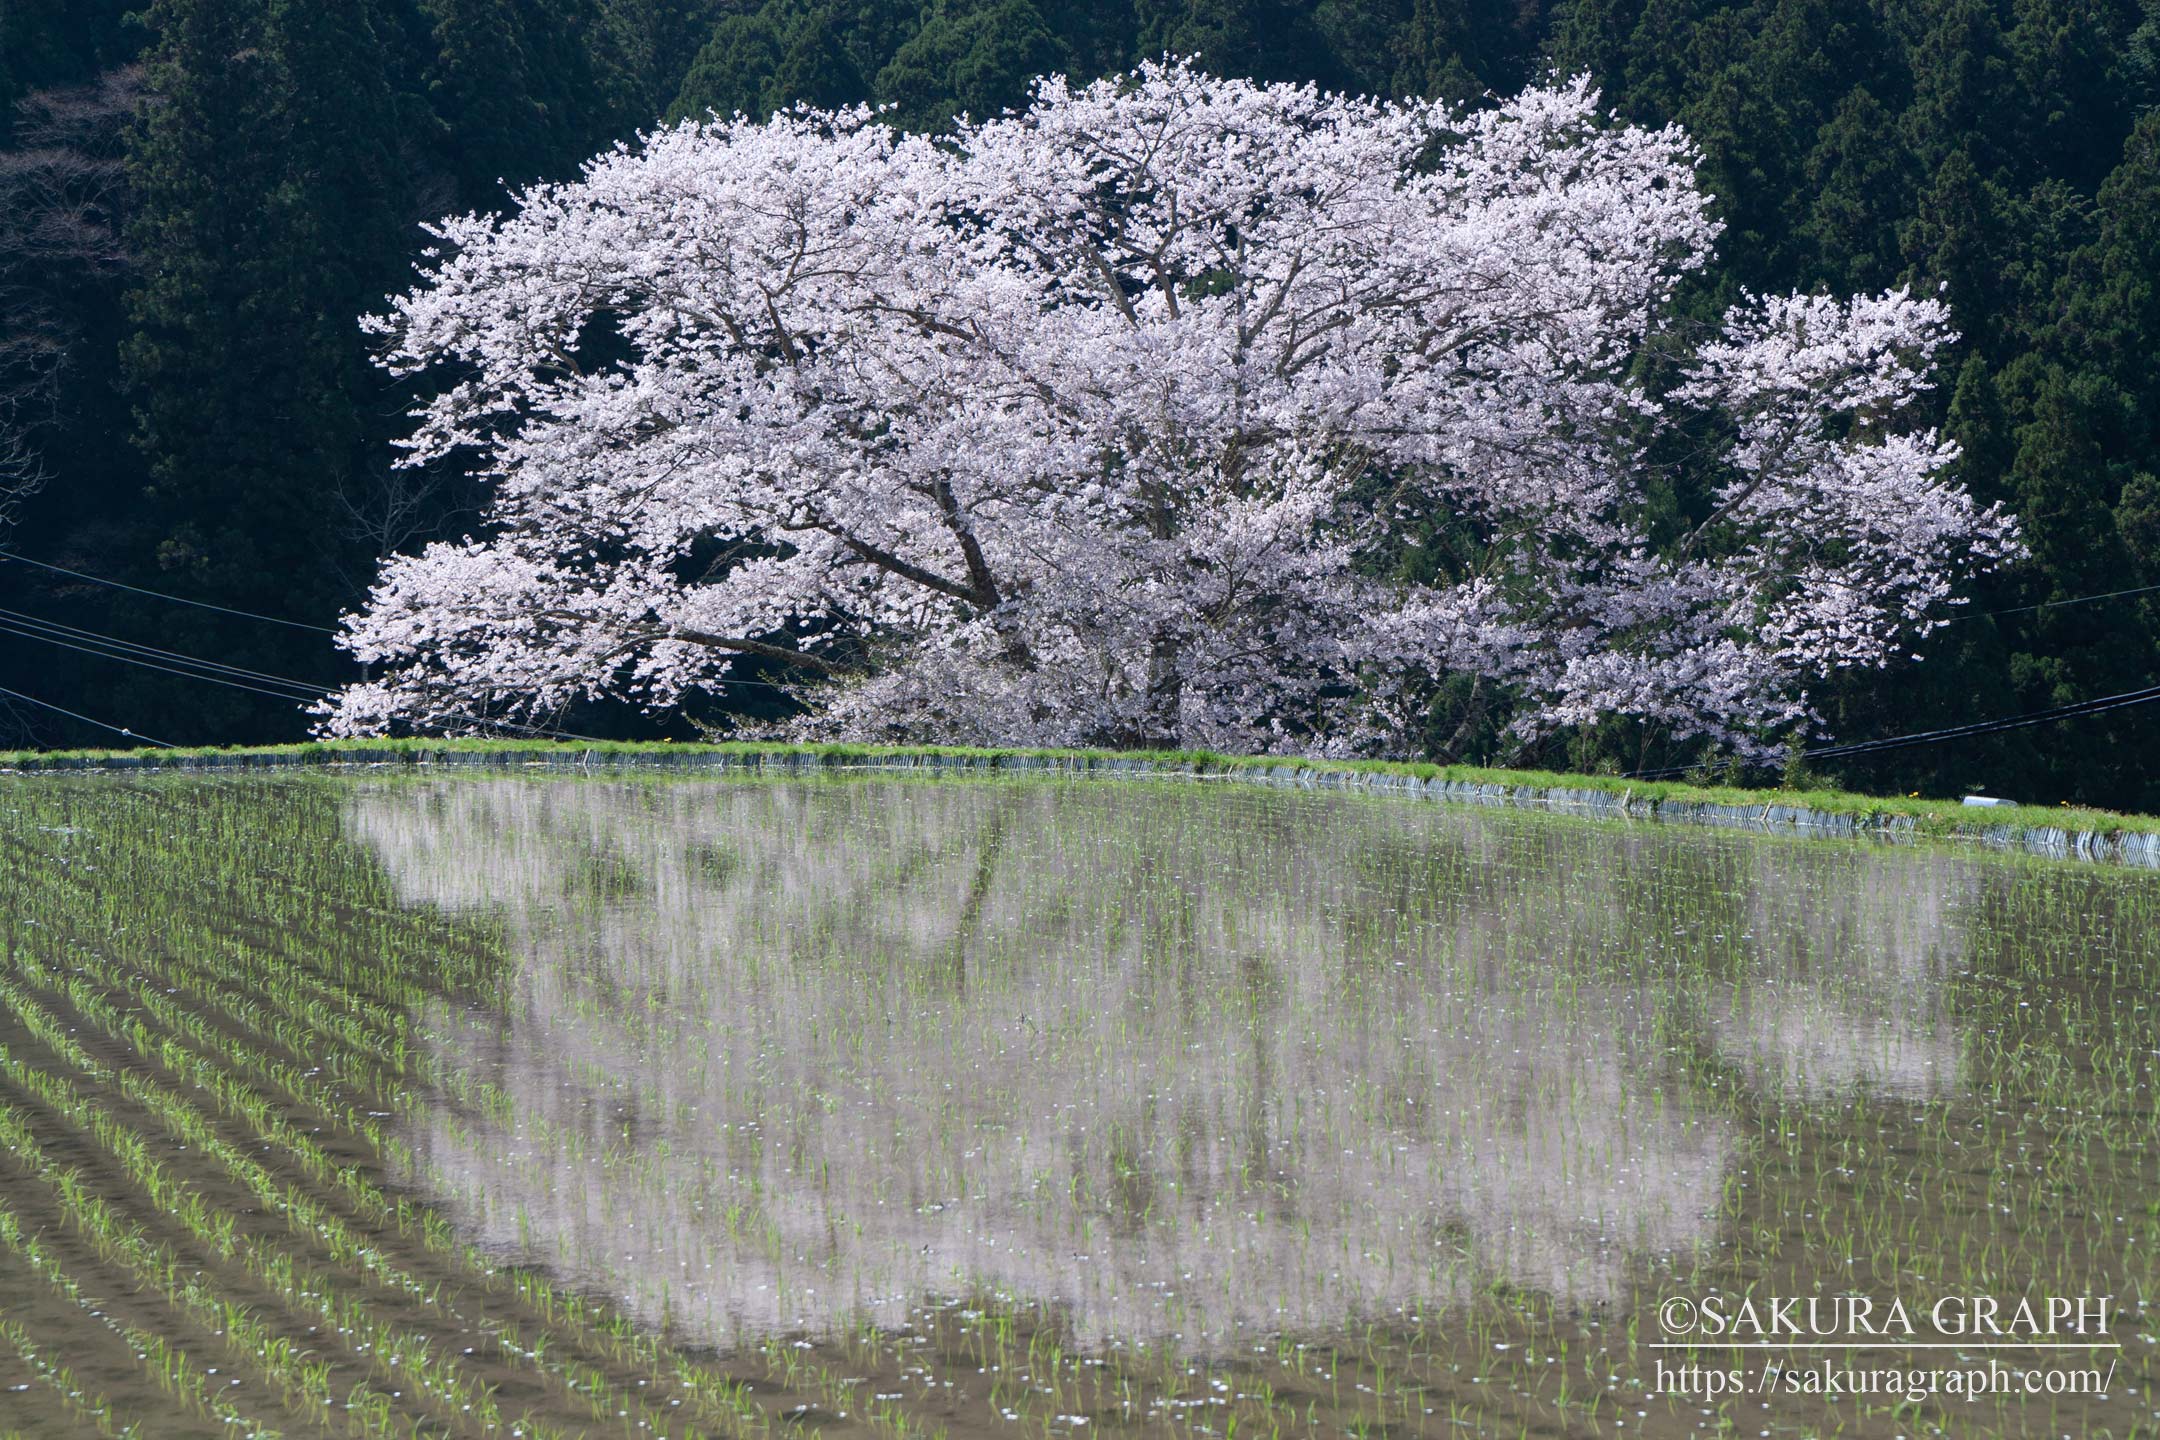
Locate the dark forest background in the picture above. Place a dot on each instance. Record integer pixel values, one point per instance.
(199, 197)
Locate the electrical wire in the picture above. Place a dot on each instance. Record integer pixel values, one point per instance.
(249, 614)
(2099, 705)
(307, 694)
(99, 638)
(132, 653)
(2053, 604)
(107, 647)
(90, 642)
(72, 715)
(330, 630)
(125, 659)
(162, 595)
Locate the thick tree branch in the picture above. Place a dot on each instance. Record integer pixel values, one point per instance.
(746, 646)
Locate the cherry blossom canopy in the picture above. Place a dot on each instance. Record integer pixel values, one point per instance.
(1174, 410)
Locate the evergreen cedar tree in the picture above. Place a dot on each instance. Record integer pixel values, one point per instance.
(2006, 147)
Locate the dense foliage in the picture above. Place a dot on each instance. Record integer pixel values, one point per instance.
(178, 281)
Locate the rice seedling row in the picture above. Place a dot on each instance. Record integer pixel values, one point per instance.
(395, 1352)
(994, 1107)
(707, 1392)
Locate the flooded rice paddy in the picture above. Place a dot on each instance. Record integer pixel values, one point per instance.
(899, 1107)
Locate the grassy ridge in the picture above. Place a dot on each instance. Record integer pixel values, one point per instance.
(1925, 816)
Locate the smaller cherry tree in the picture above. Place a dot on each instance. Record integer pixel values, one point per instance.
(1173, 410)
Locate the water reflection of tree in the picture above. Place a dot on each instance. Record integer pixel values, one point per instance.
(1174, 1064)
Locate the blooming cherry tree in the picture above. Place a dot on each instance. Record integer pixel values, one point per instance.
(1174, 410)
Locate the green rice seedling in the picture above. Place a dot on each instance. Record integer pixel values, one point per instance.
(976, 1106)
(91, 1411)
(392, 1351)
(598, 1392)
(154, 1267)
(163, 1364)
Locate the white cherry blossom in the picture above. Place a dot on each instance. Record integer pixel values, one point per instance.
(1172, 410)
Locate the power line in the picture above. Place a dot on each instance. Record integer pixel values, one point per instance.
(162, 595)
(100, 638)
(116, 729)
(92, 642)
(216, 672)
(2075, 710)
(766, 684)
(249, 614)
(1989, 727)
(2053, 604)
(97, 637)
(190, 667)
(306, 692)
(126, 659)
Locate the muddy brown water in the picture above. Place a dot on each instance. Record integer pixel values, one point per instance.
(986, 1107)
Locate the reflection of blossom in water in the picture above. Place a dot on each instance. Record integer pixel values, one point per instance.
(1846, 983)
(786, 1055)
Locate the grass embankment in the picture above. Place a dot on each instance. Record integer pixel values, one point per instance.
(1923, 816)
